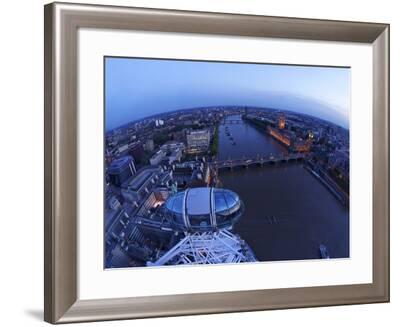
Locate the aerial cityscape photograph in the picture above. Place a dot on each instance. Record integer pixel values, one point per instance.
(209, 162)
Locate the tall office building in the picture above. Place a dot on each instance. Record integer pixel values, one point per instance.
(281, 122)
(198, 141)
(121, 170)
(149, 145)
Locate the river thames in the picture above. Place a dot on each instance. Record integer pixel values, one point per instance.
(288, 212)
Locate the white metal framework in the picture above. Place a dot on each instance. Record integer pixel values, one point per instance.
(207, 248)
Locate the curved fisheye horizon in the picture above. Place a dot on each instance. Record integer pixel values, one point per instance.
(344, 120)
(139, 88)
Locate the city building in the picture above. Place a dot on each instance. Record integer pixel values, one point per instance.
(137, 151)
(190, 174)
(157, 157)
(159, 122)
(123, 149)
(116, 220)
(139, 186)
(173, 150)
(280, 135)
(281, 122)
(153, 202)
(113, 209)
(149, 145)
(340, 160)
(168, 153)
(121, 170)
(290, 139)
(175, 155)
(172, 145)
(198, 141)
(302, 145)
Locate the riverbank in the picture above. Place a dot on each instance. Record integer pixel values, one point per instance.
(214, 144)
(328, 182)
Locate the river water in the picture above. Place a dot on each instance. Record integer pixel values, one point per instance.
(288, 212)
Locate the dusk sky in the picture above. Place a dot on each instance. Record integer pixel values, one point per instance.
(137, 88)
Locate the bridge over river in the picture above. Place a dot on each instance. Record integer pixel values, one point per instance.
(258, 160)
(232, 121)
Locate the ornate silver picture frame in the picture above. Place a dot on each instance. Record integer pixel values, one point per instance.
(62, 22)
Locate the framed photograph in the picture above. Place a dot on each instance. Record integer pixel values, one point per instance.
(203, 162)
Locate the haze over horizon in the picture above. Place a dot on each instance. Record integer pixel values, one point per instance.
(138, 88)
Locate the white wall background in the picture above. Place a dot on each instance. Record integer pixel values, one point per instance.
(21, 161)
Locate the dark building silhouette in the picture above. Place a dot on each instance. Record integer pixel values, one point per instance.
(121, 170)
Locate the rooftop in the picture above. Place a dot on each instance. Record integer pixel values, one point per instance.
(137, 181)
(120, 162)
